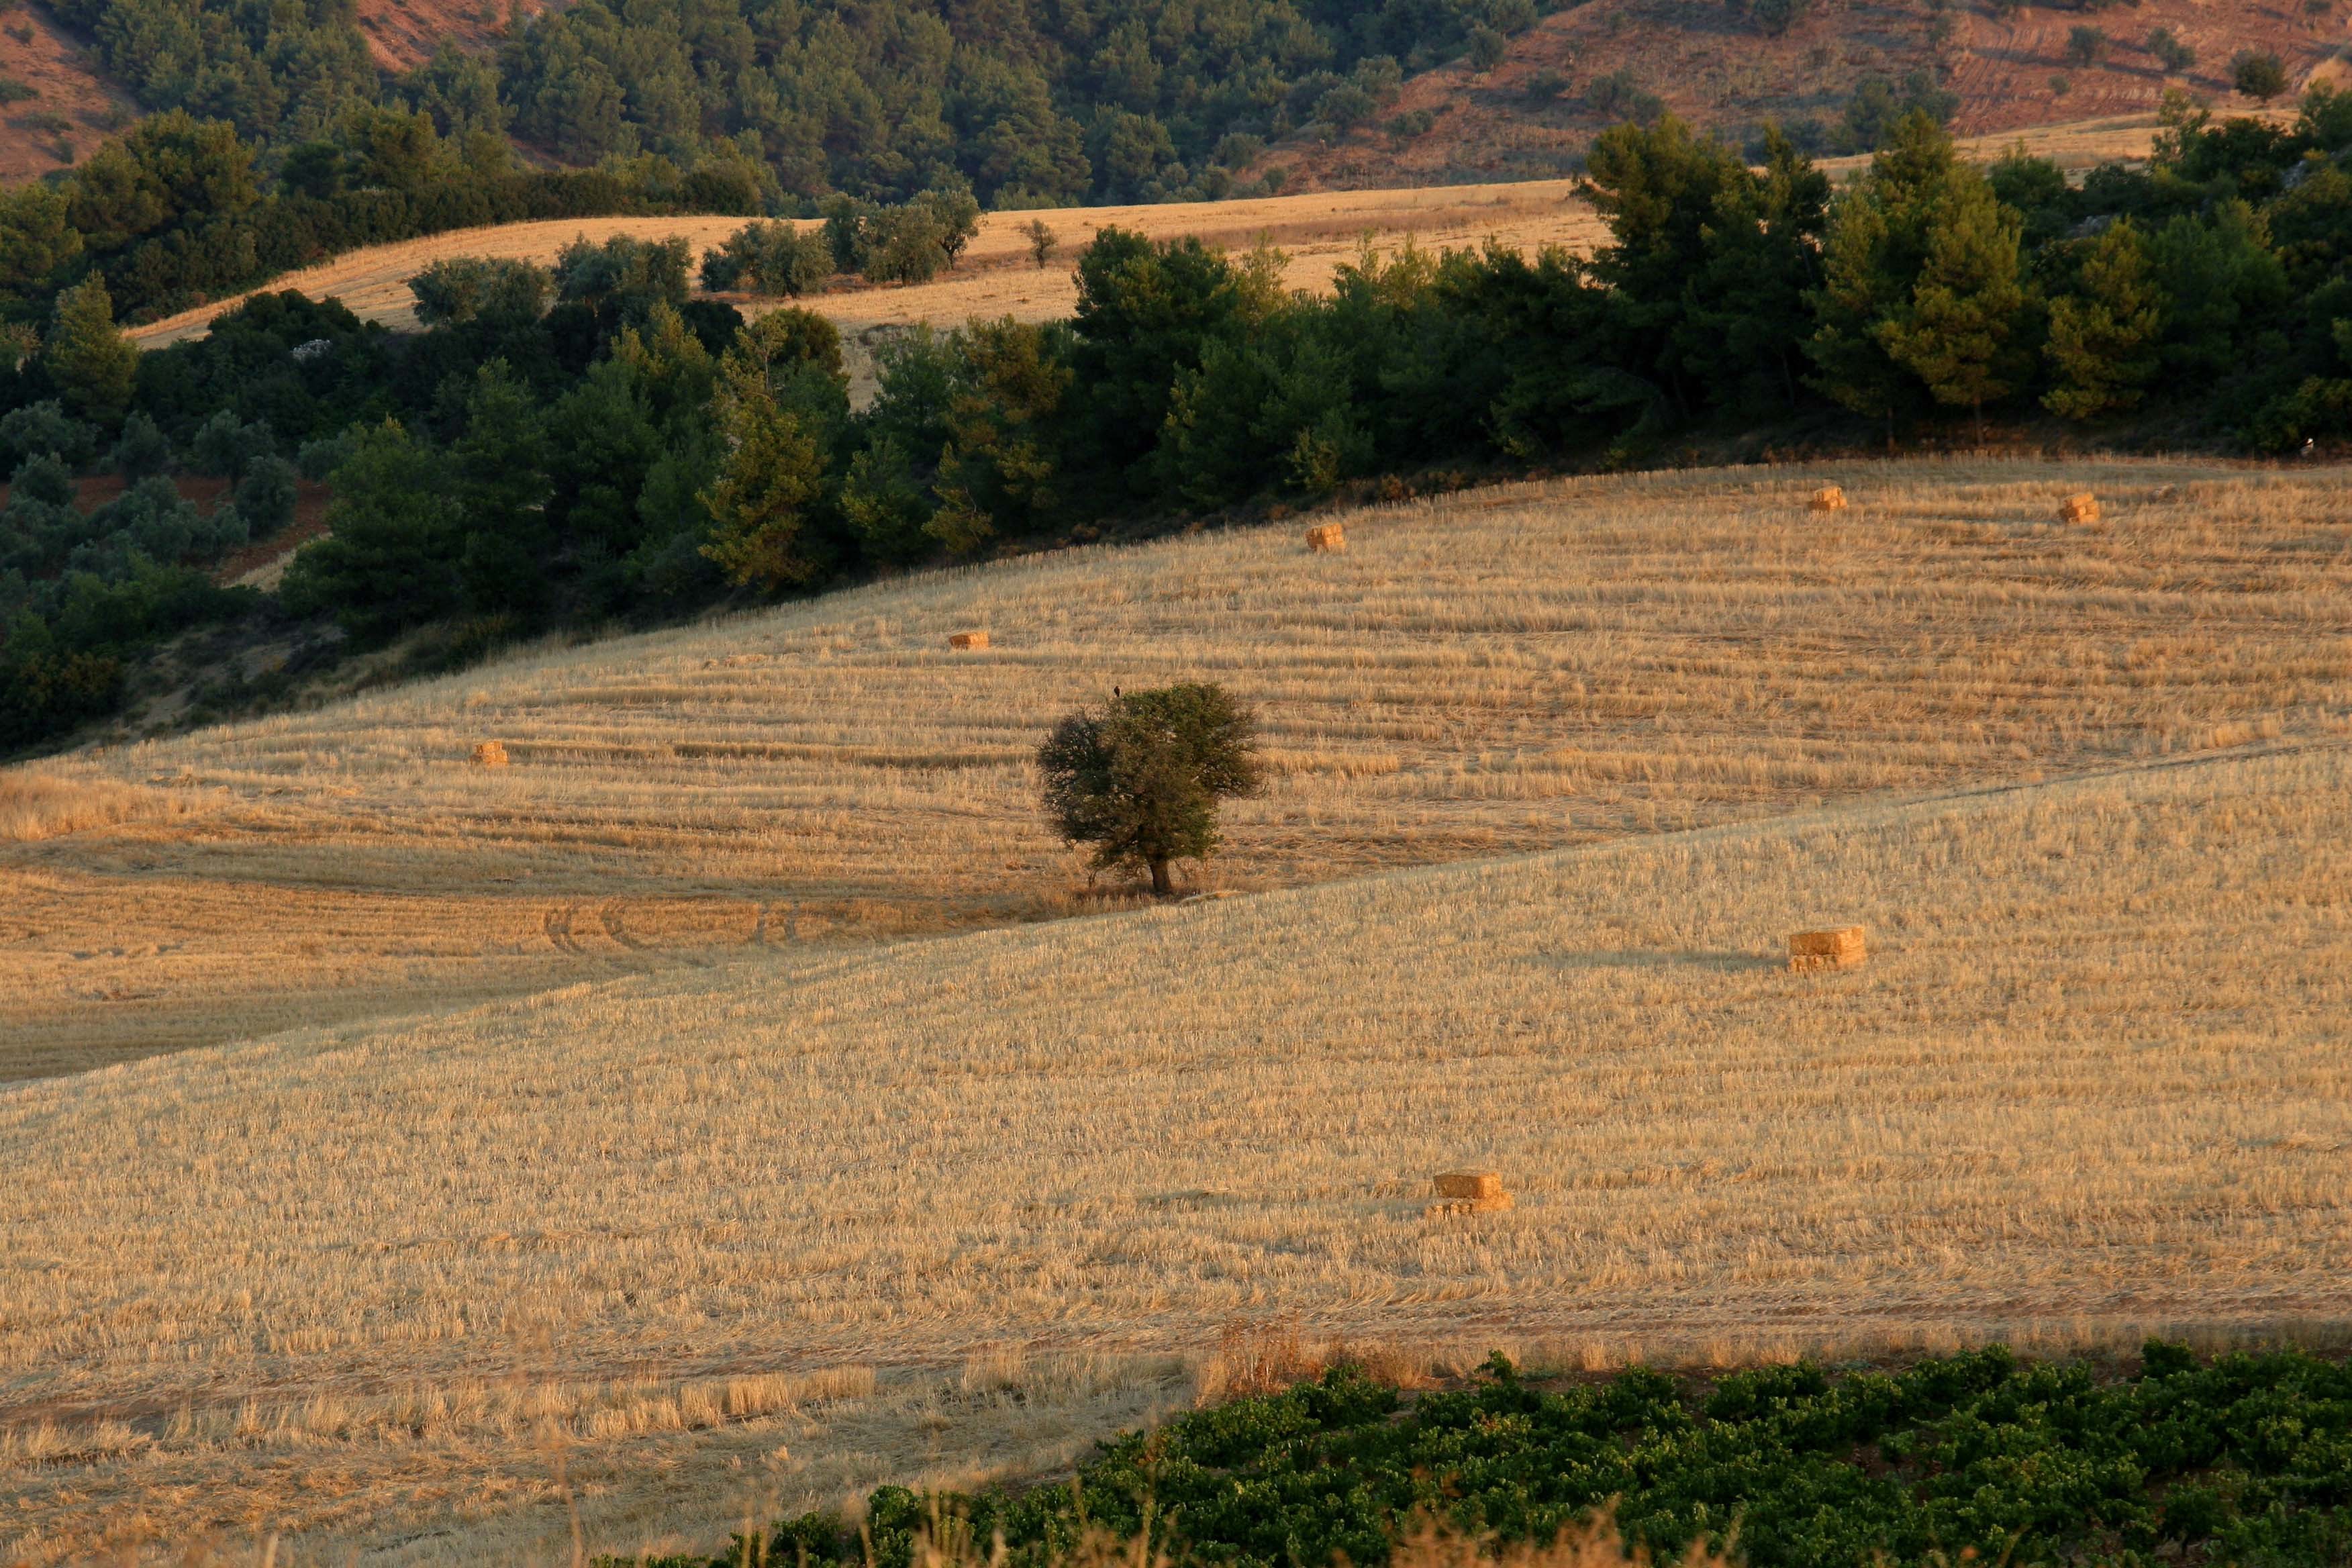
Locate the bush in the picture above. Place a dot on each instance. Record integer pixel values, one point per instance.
(770, 258)
(2175, 56)
(2085, 45)
(142, 451)
(2258, 76)
(466, 288)
(265, 497)
(46, 429)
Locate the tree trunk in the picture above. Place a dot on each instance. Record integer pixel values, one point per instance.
(1161, 885)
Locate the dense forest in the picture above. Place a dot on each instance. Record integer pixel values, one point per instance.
(1028, 102)
(591, 443)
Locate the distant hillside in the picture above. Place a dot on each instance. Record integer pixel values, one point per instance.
(1083, 103)
(61, 106)
(1829, 77)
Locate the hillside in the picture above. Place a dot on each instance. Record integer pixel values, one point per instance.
(1581, 69)
(996, 274)
(996, 277)
(1492, 673)
(430, 1286)
(69, 106)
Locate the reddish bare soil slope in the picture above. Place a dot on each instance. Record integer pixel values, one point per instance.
(1534, 114)
(72, 107)
(403, 34)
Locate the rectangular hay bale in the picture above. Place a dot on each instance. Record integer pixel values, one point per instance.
(1840, 948)
(2082, 508)
(1829, 498)
(1326, 538)
(489, 755)
(968, 640)
(1470, 1184)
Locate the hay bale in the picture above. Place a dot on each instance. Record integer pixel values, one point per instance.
(1829, 498)
(968, 640)
(489, 755)
(1842, 948)
(2082, 508)
(1328, 538)
(1470, 1191)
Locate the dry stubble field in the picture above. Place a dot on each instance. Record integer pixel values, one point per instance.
(1501, 672)
(770, 1191)
(634, 1247)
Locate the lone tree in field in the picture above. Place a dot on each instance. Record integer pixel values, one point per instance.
(1140, 779)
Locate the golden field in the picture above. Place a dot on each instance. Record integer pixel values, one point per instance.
(714, 1111)
(1502, 671)
(412, 1286)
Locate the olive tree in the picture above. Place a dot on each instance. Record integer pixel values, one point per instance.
(1139, 778)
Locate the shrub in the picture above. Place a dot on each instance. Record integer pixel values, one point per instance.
(2085, 45)
(466, 289)
(770, 258)
(2170, 52)
(2258, 76)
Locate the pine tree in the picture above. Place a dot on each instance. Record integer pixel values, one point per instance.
(2104, 339)
(93, 364)
(1859, 293)
(771, 472)
(1958, 334)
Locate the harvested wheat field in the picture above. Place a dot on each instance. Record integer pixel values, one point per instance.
(1492, 673)
(2091, 1080)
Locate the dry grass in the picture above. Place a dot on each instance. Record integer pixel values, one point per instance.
(1116, 1135)
(35, 805)
(1498, 672)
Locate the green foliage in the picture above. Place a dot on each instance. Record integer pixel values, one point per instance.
(770, 258)
(771, 472)
(1958, 333)
(469, 288)
(1875, 114)
(2085, 45)
(2171, 50)
(1140, 778)
(1923, 290)
(999, 463)
(395, 532)
(1027, 103)
(143, 449)
(622, 279)
(93, 363)
(44, 428)
(2258, 75)
(1972, 1457)
(2102, 344)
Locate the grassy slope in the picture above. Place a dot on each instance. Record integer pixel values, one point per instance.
(2092, 1076)
(1499, 671)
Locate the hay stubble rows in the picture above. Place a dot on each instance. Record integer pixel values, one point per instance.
(764, 1120)
(1500, 672)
